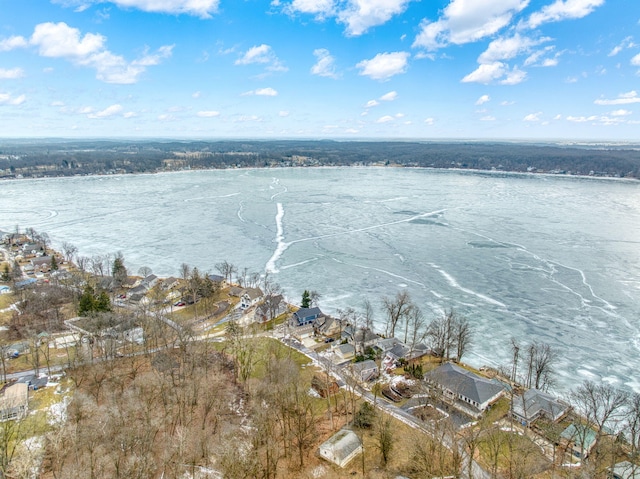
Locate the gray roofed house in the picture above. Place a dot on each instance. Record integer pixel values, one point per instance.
(386, 344)
(399, 351)
(344, 351)
(625, 470)
(341, 448)
(250, 297)
(534, 404)
(365, 370)
(306, 316)
(475, 392)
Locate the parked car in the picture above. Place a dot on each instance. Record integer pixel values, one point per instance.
(179, 303)
(329, 340)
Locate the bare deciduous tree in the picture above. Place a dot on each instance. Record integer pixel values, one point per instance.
(397, 309)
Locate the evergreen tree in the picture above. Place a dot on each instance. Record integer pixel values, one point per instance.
(6, 273)
(306, 299)
(87, 301)
(54, 263)
(119, 271)
(102, 303)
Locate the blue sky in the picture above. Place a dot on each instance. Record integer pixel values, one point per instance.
(414, 69)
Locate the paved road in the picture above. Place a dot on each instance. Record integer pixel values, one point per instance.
(401, 415)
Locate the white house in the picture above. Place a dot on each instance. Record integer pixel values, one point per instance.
(341, 448)
(250, 297)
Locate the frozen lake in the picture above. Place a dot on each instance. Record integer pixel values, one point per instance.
(527, 256)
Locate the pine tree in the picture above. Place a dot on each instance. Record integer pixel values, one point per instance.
(6, 273)
(87, 301)
(306, 299)
(54, 263)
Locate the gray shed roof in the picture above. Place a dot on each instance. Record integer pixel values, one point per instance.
(465, 383)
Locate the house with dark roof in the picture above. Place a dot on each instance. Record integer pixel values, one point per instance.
(466, 390)
(344, 352)
(305, 316)
(341, 448)
(534, 404)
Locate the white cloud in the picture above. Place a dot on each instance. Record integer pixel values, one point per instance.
(13, 42)
(392, 95)
(283, 114)
(483, 99)
(514, 77)
(399, 115)
(372, 103)
(532, 117)
(325, 64)
(384, 65)
(261, 92)
(321, 8)
(262, 54)
(208, 114)
(165, 117)
(11, 74)
(488, 118)
(129, 114)
(199, 8)
(507, 103)
(107, 112)
(58, 40)
(196, 94)
(626, 43)
(465, 21)
(620, 112)
(623, 99)
(563, 10)
(581, 119)
(361, 15)
(507, 48)
(57, 103)
(636, 60)
(486, 73)
(558, 117)
(429, 121)
(384, 119)
(6, 99)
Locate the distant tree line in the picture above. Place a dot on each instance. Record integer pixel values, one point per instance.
(83, 157)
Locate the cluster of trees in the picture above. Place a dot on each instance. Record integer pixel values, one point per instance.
(91, 157)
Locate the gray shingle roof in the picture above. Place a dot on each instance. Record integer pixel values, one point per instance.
(463, 382)
(534, 402)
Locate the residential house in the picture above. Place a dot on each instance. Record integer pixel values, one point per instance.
(327, 326)
(272, 307)
(41, 264)
(14, 402)
(345, 352)
(31, 250)
(235, 291)
(250, 297)
(579, 439)
(385, 344)
(150, 281)
(534, 404)
(363, 339)
(341, 448)
(216, 278)
(624, 470)
(170, 283)
(398, 352)
(466, 390)
(365, 370)
(305, 316)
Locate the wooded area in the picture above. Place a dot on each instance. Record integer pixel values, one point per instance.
(42, 158)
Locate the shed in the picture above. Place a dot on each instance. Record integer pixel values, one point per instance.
(341, 448)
